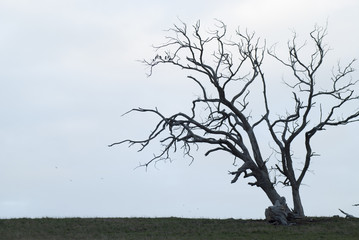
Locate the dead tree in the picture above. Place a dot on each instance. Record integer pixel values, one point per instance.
(229, 75)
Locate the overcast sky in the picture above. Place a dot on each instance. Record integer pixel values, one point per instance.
(69, 70)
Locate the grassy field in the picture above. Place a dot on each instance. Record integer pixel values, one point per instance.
(176, 228)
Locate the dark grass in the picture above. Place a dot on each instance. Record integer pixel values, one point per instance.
(176, 228)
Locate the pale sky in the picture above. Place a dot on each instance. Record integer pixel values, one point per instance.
(69, 70)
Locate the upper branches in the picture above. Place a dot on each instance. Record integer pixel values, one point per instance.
(225, 71)
(220, 61)
(228, 72)
(306, 92)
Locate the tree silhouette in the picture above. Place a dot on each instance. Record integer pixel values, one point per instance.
(230, 77)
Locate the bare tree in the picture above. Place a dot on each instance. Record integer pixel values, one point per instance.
(230, 78)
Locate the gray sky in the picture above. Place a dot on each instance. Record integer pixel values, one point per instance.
(68, 71)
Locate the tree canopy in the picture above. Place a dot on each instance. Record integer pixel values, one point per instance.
(230, 76)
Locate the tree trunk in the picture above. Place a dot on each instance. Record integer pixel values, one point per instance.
(271, 193)
(297, 202)
(267, 186)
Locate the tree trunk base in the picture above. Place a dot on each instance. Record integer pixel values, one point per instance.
(279, 213)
